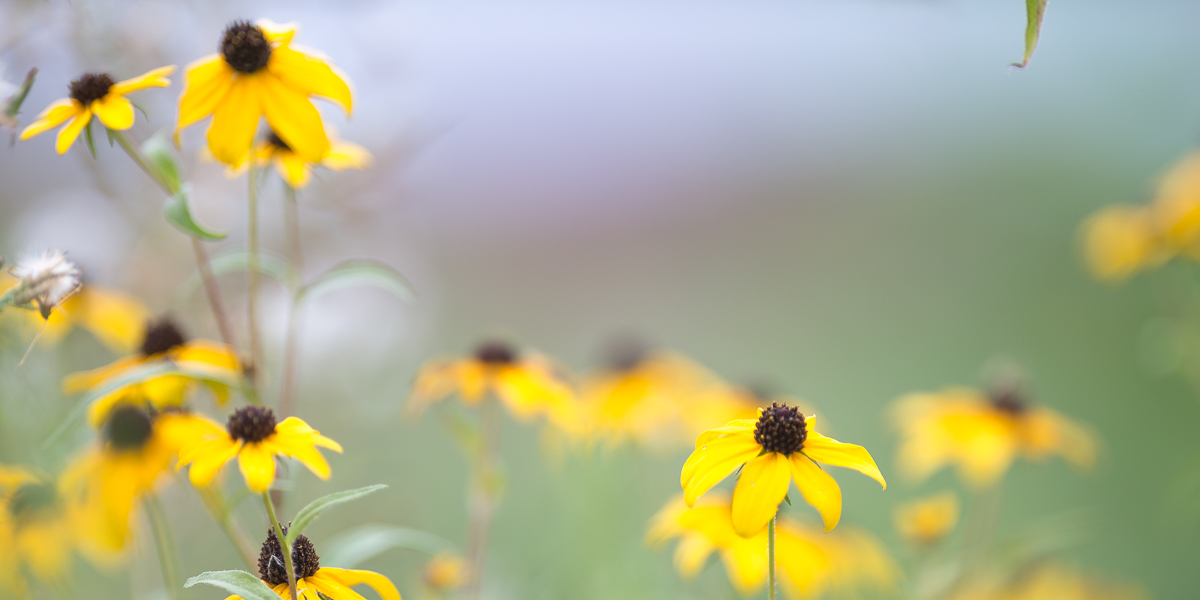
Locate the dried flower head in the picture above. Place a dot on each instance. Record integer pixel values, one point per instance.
(47, 279)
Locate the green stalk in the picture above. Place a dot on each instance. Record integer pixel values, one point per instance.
(284, 546)
(165, 546)
(291, 217)
(771, 557)
(253, 279)
(483, 500)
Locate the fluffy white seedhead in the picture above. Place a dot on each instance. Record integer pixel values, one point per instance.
(48, 278)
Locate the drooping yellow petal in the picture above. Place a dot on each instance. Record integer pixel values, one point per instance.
(434, 381)
(691, 553)
(350, 577)
(310, 75)
(198, 354)
(293, 118)
(235, 120)
(803, 563)
(53, 116)
(277, 33)
(68, 134)
(205, 84)
(761, 487)
(114, 111)
(292, 169)
(115, 318)
(207, 458)
(346, 155)
(711, 463)
(258, 466)
(293, 426)
(818, 488)
(86, 380)
(300, 449)
(154, 78)
(832, 452)
(735, 426)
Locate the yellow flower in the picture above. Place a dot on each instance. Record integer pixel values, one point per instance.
(810, 562)
(779, 447)
(1176, 206)
(927, 521)
(94, 94)
(253, 437)
(314, 582)
(137, 450)
(983, 435)
(1119, 241)
(1053, 581)
(258, 73)
(162, 343)
(296, 171)
(444, 572)
(527, 384)
(44, 523)
(115, 319)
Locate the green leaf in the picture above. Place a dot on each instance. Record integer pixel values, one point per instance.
(162, 161)
(236, 262)
(1034, 10)
(358, 272)
(241, 583)
(316, 507)
(14, 105)
(178, 214)
(87, 137)
(351, 548)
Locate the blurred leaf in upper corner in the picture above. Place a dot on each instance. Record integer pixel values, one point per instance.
(1034, 11)
(13, 97)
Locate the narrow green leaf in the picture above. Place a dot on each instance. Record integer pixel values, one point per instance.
(87, 137)
(353, 547)
(18, 98)
(161, 159)
(316, 507)
(241, 583)
(179, 215)
(1034, 10)
(111, 137)
(355, 273)
(236, 262)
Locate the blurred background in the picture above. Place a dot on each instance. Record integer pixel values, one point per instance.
(847, 199)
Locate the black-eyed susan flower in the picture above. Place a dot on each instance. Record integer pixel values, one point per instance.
(136, 452)
(162, 342)
(445, 572)
(527, 383)
(314, 582)
(114, 318)
(779, 447)
(258, 73)
(927, 521)
(94, 94)
(983, 433)
(296, 171)
(1119, 241)
(255, 439)
(45, 520)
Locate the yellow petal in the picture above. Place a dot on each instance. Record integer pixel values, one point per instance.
(67, 136)
(691, 553)
(114, 111)
(198, 354)
(86, 380)
(155, 78)
(832, 452)
(207, 458)
(235, 121)
(818, 488)
(709, 464)
(53, 116)
(330, 587)
(761, 487)
(292, 169)
(277, 33)
(293, 118)
(382, 585)
(205, 84)
(311, 76)
(115, 318)
(735, 426)
(346, 155)
(258, 466)
(300, 449)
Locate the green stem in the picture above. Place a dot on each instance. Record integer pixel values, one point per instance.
(284, 546)
(291, 217)
(165, 545)
(771, 557)
(253, 280)
(483, 501)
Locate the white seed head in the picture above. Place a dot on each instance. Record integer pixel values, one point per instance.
(48, 278)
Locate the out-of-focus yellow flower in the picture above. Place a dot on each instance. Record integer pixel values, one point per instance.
(94, 94)
(982, 435)
(721, 402)
(929, 520)
(1119, 241)
(254, 438)
(136, 451)
(526, 383)
(444, 572)
(314, 582)
(297, 172)
(258, 73)
(44, 520)
(810, 562)
(1053, 581)
(162, 343)
(781, 446)
(116, 319)
(1176, 206)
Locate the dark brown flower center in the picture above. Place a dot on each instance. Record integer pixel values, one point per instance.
(625, 354)
(496, 353)
(274, 140)
(90, 87)
(251, 424)
(1009, 401)
(245, 47)
(271, 566)
(31, 500)
(781, 429)
(161, 335)
(128, 428)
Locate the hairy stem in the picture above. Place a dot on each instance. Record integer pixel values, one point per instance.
(284, 546)
(165, 546)
(771, 557)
